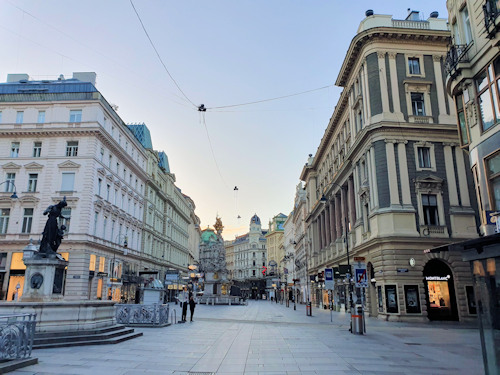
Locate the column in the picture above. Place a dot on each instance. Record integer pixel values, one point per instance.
(356, 189)
(333, 227)
(343, 198)
(462, 177)
(351, 201)
(403, 173)
(391, 172)
(394, 84)
(320, 233)
(373, 178)
(450, 174)
(327, 224)
(383, 82)
(324, 229)
(439, 87)
(366, 94)
(338, 215)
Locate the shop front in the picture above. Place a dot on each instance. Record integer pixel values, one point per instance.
(439, 291)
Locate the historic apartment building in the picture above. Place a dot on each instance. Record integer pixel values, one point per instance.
(389, 179)
(299, 215)
(246, 257)
(63, 139)
(473, 74)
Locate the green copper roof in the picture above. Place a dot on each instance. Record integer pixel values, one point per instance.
(208, 235)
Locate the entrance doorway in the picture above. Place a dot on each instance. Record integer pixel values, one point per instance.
(372, 302)
(440, 291)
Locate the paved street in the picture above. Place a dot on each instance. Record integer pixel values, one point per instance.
(269, 338)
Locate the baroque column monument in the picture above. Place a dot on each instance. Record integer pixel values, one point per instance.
(213, 265)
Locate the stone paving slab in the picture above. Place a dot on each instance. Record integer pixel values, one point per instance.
(265, 338)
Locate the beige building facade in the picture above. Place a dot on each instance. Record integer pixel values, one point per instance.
(389, 180)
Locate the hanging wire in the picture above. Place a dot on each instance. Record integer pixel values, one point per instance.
(159, 57)
(202, 114)
(270, 99)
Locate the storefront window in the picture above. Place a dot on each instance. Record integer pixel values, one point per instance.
(380, 299)
(391, 298)
(493, 170)
(412, 299)
(439, 294)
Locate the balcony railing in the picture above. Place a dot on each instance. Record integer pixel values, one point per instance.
(408, 24)
(16, 335)
(456, 54)
(491, 13)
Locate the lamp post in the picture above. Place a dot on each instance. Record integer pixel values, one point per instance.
(9, 190)
(125, 246)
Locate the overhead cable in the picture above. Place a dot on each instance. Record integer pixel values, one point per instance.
(159, 57)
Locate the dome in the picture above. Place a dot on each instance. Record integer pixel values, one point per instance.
(255, 220)
(208, 235)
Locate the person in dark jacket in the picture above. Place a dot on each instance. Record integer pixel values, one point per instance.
(192, 304)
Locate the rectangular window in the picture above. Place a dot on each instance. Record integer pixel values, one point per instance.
(19, 117)
(14, 149)
(66, 212)
(99, 186)
(108, 189)
(32, 182)
(75, 115)
(27, 220)
(0, 116)
(430, 209)
(41, 117)
(424, 157)
(68, 181)
(414, 65)
(466, 25)
(72, 148)
(101, 157)
(96, 221)
(10, 183)
(487, 86)
(417, 104)
(104, 225)
(463, 129)
(391, 298)
(4, 220)
(493, 170)
(110, 161)
(37, 149)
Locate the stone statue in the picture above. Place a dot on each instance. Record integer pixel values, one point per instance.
(52, 234)
(218, 225)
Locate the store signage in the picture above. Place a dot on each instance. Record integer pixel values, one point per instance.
(359, 259)
(437, 278)
(402, 270)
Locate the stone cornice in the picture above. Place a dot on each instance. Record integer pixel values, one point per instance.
(387, 35)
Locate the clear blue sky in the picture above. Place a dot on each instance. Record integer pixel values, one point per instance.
(220, 52)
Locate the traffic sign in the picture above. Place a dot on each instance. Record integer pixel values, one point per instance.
(361, 278)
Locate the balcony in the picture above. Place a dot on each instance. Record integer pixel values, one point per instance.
(490, 15)
(456, 54)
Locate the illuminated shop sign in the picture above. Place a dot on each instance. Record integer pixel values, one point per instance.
(437, 278)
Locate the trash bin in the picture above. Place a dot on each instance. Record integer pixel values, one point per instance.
(357, 320)
(308, 309)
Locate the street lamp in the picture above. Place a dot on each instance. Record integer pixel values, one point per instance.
(8, 189)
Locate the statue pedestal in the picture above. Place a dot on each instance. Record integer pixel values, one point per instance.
(44, 279)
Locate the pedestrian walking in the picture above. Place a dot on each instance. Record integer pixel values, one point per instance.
(183, 299)
(192, 304)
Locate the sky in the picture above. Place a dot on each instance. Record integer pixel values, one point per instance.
(220, 53)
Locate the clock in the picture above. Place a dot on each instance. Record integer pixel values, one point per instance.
(412, 262)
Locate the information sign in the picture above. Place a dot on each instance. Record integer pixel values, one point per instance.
(329, 278)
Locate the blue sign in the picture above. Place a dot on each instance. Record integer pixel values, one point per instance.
(361, 280)
(329, 278)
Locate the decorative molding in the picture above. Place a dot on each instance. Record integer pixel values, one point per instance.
(392, 55)
(68, 164)
(381, 55)
(11, 166)
(29, 199)
(437, 58)
(33, 165)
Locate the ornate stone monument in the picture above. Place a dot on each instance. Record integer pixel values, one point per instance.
(44, 275)
(213, 260)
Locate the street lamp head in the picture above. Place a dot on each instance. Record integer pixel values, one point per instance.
(125, 242)
(323, 199)
(14, 195)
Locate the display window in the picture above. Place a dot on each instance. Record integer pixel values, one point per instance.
(439, 294)
(412, 299)
(391, 298)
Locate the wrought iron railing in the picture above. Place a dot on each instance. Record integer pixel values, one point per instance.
(491, 13)
(16, 335)
(146, 315)
(456, 54)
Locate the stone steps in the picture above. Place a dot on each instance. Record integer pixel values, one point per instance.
(100, 336)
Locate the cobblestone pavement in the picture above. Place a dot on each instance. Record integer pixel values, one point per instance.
(270, 339)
